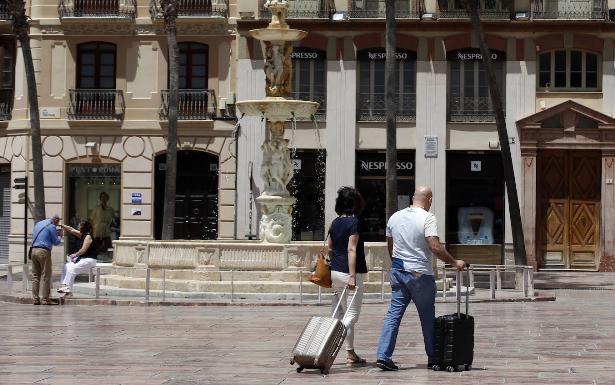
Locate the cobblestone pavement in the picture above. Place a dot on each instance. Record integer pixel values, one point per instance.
(569, 341)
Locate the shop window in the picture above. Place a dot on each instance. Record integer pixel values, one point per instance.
(309, 78)
(469, 97)
(569, 70)
(371, 183)
(96, 66)
(370, 104)
(7, 49)
(475, 206)
(94, 194)
(308, 186)
(193, 72)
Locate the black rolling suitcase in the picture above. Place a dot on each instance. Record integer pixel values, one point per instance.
(455, 336)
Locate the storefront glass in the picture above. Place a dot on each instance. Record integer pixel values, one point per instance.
(94, 193)
(370, 181)
(308, 186)
(475, 206)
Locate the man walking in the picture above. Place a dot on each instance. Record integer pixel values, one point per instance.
(412, 238)
(44, 237)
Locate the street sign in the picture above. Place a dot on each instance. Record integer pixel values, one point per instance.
(20, 183)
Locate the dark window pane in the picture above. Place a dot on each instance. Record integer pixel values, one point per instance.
(576, 60)
(591, 80)
(576, 79)
(591, 62)
(560, 60)
(560, 79)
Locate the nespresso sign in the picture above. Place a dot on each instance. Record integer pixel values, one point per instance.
(374, 164)
(377, 54)
(473, 54)
(307, 54)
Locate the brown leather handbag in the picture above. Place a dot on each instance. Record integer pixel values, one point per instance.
(322, 274)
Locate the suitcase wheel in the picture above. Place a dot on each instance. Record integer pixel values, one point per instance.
(450, 368)
(468, 367)
(436, 368)
(300, 369)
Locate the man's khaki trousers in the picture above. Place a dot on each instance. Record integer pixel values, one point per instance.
(41, 273)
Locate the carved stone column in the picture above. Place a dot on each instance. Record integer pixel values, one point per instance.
(529, 205)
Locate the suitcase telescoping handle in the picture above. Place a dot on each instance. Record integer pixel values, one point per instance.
(459, 291)
(340, 302)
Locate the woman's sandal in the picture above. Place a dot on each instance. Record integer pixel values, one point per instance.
(352, 359)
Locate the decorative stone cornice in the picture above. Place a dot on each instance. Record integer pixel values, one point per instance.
(75, 28)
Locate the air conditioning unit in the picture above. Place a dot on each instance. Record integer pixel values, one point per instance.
(428, 16)
(522, 16)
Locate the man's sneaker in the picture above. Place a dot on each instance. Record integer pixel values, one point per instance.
(387, 365)
(49, 301)
(64, 289)
(36, 301)
(430, 365)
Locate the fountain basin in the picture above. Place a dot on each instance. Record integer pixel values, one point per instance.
(278, 34)
(278, 109)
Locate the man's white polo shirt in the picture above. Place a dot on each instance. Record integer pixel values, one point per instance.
(408, 228)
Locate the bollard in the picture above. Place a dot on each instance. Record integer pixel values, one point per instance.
(25, 276)
(530, 275)
(382, 285)
(147, 278)
(232, 285)
(498, 277)
(471, 279)
(90, 275)
(319, 295)
(300, 287)
(525, 282)
(9, 279)
(492, 283)
(444, 283)
(97, 283)
(164, 285)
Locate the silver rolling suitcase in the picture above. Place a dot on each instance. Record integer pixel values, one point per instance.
(320, 341)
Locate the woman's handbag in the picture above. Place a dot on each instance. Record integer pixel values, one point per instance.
(322, 274)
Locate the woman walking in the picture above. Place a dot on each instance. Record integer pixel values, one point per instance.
(348, 265)
(81, 261)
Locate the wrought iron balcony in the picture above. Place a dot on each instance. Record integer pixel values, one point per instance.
(193, 8)
(301, 9)
(569, 10)
(375, 9)
(196, 104)
(114, 9)
(4, 10)
(371, 107)
(94, 104)
(488, 9)
(6, 103)
(320, 97)
(470, 109)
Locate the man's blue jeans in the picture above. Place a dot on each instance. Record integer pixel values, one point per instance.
(407, 287)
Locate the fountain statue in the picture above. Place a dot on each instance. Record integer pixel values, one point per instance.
(276, 202)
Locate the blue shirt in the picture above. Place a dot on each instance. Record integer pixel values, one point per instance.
(341, 230)
(48, 236)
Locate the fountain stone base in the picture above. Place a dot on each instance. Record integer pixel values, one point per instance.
(276, 220)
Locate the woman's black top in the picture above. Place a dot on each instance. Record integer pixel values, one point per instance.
(91, 251)
(341, 230)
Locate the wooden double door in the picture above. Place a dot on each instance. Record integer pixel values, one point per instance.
(568, 217)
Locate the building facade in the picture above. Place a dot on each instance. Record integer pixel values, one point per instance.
(554, 63)
(102, 77)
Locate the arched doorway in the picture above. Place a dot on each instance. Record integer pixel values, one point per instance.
(196, 199)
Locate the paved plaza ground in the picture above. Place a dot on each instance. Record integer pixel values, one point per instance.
(567, 341)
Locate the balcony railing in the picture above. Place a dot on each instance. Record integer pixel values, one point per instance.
(121, 9)
(488, 9)
(301, 9)
(561, 9)
(4, 10)
(321, 98)
(90, 104)
(375, 9)
(193, 8)
(371, 107)
(470, 109)
(195, 104)
(6, 103)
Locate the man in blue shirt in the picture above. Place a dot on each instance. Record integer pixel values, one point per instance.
(44, 237)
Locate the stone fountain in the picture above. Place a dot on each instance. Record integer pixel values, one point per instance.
(278, 107)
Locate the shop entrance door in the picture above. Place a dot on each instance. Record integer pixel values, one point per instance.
(568, 219)
(196, 199)
(5, 212)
